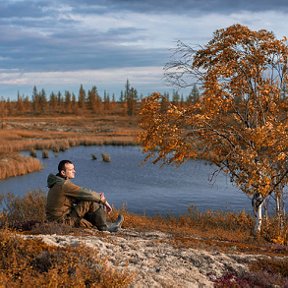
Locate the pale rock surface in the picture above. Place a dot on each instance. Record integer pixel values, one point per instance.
(156, 262)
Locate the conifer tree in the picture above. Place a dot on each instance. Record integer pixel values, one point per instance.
(53, 103)
(68, 102)
(194, 95)
(130, 96)
(81, 97)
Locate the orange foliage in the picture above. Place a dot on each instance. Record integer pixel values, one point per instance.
(240, 123)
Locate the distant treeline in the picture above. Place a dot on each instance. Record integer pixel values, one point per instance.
(85, 102)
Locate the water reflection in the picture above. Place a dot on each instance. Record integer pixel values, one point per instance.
(143, 188)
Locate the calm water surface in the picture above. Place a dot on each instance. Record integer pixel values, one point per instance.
(142, 188)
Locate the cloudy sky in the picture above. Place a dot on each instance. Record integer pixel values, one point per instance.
(59, 44)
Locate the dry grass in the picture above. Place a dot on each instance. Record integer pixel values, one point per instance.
(225, 231)
(13, 164)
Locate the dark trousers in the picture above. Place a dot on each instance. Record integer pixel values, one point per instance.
(87, 214)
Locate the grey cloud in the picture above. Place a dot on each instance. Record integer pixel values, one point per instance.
(73, 52)
(220, 6)
(34, 38)
(183, 6)
(38, 44)
(41, 8)
(19, 9)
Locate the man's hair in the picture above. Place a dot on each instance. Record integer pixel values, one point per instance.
(61, 165)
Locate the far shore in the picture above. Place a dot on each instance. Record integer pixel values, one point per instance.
(58, 134)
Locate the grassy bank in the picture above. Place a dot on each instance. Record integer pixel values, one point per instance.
(32, 261)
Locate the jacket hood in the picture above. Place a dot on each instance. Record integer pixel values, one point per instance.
(53, 179)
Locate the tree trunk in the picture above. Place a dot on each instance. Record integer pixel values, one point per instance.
(258, 223)
(257, 203)
(280, 209)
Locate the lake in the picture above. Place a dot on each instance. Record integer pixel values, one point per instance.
(144, 188)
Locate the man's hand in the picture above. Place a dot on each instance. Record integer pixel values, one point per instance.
(102, 197)
(105, 202)
(108, 207)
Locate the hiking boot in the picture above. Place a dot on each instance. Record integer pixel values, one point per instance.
(114, 227)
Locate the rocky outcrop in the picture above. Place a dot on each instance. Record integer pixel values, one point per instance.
(154, 258)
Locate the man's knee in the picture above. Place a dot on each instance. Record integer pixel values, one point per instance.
(87, 214)
(97, 217)
(84, 207)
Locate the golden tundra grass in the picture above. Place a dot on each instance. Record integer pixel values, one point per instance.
(57, 134)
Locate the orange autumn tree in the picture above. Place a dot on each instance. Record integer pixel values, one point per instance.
(240, 123)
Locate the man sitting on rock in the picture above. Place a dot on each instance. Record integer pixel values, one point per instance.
(76, 206)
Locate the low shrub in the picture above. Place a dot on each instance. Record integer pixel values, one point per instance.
(18, 210)
(275, 233)
(273, 266)
(30, 261)
(220, 219)
(264, 273)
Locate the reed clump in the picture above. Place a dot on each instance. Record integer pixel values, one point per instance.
(106, 157)
(93, 157)
(45, 154)
(13, 164)
(33, 153)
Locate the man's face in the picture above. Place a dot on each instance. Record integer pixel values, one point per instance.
(69, 172)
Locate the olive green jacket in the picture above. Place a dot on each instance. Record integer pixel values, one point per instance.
(63, 194)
